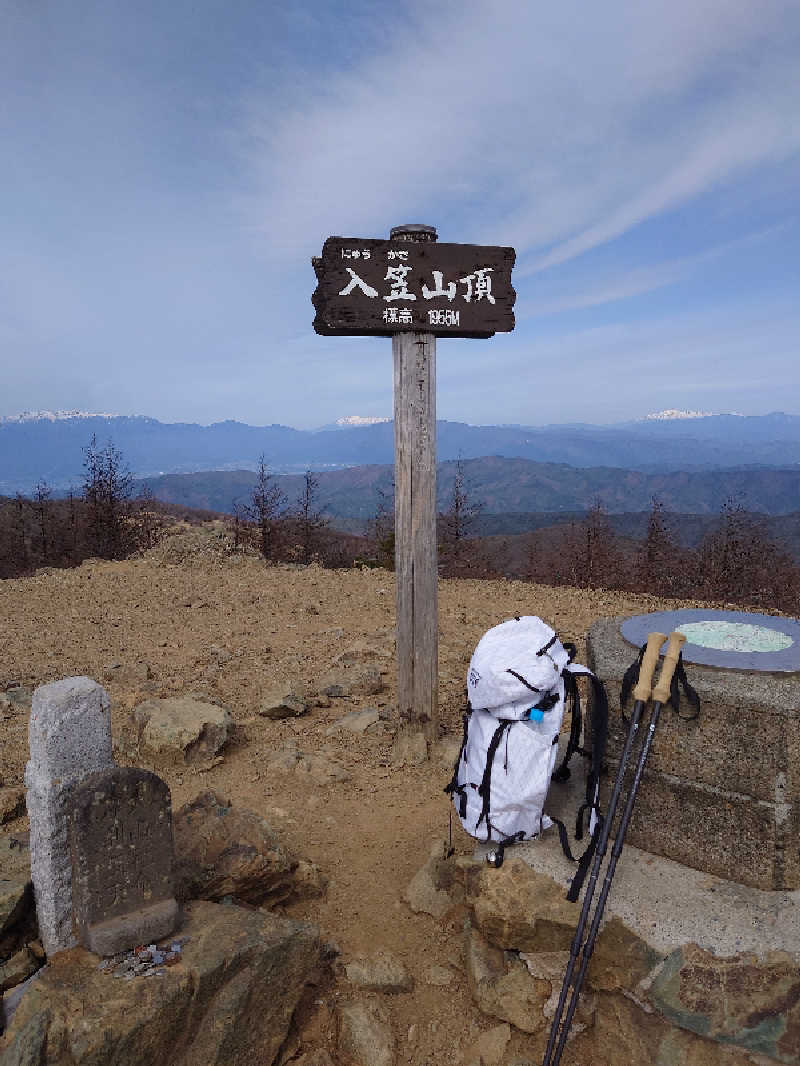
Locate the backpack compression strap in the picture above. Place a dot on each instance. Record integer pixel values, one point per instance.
(485, 790)
(453, 785)
(485, 787)
(591, 804)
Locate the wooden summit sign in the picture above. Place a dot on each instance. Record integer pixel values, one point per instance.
(413, 289)
(376, 288)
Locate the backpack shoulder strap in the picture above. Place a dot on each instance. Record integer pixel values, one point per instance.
(592, 802)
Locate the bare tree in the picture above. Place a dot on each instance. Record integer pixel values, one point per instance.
(661, 566)
(149, 521)
(381, 529)
(266, 502)
(585, 554)
(310, 522)
(71, 530)
(106, 491)
(456, 523)
(42, 508)
(739, 562)
(22, 552)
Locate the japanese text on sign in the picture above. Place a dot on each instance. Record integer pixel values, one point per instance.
(380, 287)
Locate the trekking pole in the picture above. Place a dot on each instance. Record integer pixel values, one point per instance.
(641, 694)
(661, 694)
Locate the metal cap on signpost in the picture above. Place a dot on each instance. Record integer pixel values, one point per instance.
(413, 231)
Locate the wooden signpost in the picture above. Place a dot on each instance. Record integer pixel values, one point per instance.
(413, 289)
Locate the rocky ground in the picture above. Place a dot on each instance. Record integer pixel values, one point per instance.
(191, 617)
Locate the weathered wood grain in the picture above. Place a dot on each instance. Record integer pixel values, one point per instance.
(415, 530)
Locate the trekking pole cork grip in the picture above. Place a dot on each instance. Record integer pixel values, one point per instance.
(644, 685)
(661, 691)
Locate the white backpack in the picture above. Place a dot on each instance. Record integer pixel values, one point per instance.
(518, 682)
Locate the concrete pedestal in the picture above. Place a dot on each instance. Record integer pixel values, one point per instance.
(719, 794)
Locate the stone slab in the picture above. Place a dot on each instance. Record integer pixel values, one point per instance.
(668, 904)
(121, 846)
(141, 926)
(739, 749)
(720, 793)
(720, 832)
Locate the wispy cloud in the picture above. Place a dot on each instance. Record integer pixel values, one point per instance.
(562, 126)
(574, 293)
(169, 170)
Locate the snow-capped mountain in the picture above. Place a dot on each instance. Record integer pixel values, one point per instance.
(361, 420)
(51, 445)
(53, 416)
(671, 415)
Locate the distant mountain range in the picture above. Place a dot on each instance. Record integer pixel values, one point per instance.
(49, 445)
(510, 487)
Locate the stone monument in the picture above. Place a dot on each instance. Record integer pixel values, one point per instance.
(69, 737)
(120, 837)
(720, 793)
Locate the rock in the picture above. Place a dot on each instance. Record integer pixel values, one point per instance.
(742, 1000)
(379, 973)
(283, 701)
(222, 851)
(356, 722)
(18, 698)
(228, 1002)
(17, 910)
(433, 889)
(308, 881)
(181, 728)
(621, 959)
(438, 975)
(410, 749)
(489, 1048)
(12, 804)
(317, 1057)
(18, 969)
(550, 966)
(623, 1034)
(363, 651)
(128, 673)
(219, 653)
(322, 769)
(365, 1035)
(502, 987)
(352, 681)
(286, 757)
(517, 908)
(9, 1003)
(446, 752)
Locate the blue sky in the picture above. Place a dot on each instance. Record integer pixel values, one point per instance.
(168, 170)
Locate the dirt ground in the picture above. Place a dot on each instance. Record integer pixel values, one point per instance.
(159, 615)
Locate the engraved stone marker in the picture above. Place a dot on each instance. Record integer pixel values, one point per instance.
(69, 737)
(120, 836)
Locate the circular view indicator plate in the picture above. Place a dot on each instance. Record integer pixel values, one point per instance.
(733, 640)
